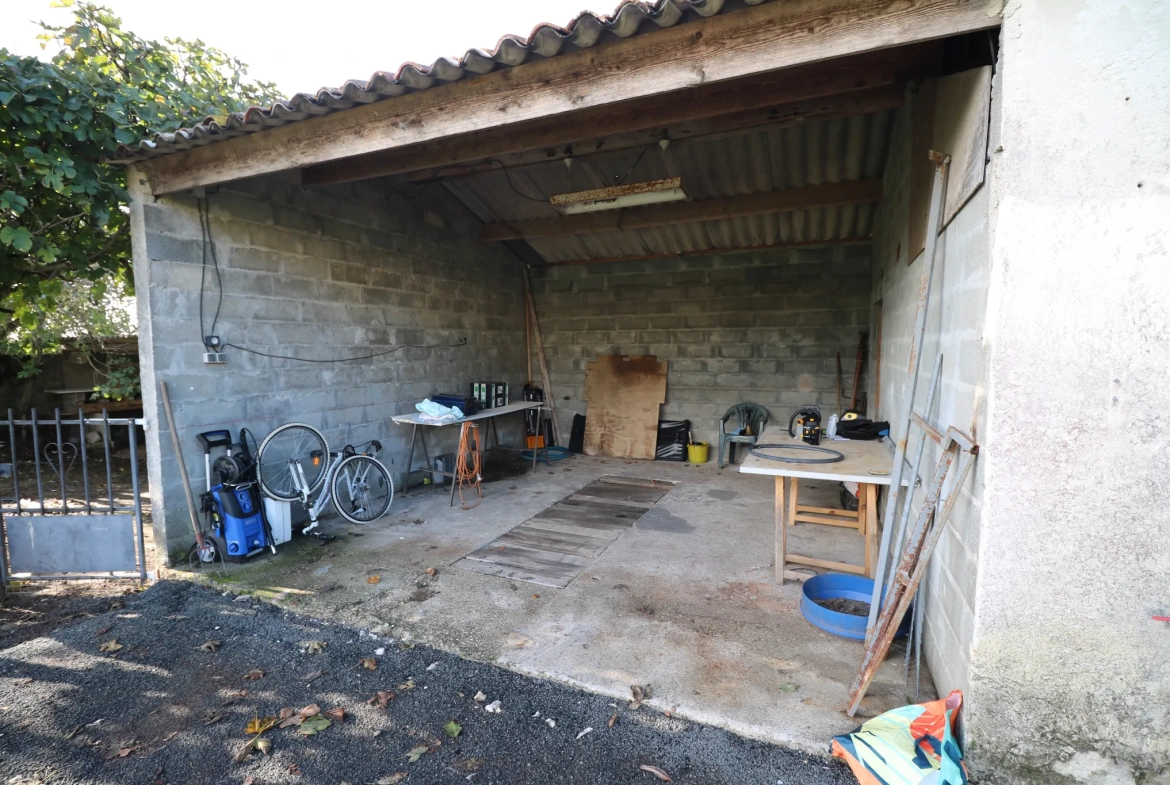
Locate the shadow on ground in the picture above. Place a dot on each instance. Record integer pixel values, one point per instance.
(162, 710)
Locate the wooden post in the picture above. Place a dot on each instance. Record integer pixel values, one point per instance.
(871, 525)
(781, 532)
(549, 398)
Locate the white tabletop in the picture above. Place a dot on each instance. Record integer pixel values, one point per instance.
(519, 406)
(860, 459)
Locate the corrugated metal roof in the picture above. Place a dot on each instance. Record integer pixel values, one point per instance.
(631, 17)
(829, 151)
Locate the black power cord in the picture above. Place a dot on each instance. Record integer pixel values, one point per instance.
(461, 342)
(208, 244)
(209, 250)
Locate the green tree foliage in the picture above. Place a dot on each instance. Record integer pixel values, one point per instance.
(63, 211)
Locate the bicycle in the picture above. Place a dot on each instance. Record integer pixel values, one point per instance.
(294, 461)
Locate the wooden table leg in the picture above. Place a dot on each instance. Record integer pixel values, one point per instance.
(871, 526)
(781, 532)
(793, 490)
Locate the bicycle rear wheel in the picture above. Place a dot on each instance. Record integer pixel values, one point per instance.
(362, 489)
(291, 442)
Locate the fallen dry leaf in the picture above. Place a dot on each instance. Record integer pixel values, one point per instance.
(479, 697)
(536, 596)
(294, 769)
(612, 720)
(237, 693)
(250, 781)
(453, 729)
(213, 717)
(381, 698)
(315, 647)
(264, 745)
(640, 694)
(110, 646)
(27, 680)
(123, 752)
(431, 571)
(585, 732)
(257, 726)
(334, 715)
(393, 779)
(311, 676)
(285, 714)
(406, 685)
(210, 646)
(369, 663)
(74, 732)
(657, 772)
(469, 764)
(374, 579)
(102, 631)
(115, 605)
(254, 675)
(311, 726)
(416, 752)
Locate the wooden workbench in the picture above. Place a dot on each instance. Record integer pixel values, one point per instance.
(862, 459)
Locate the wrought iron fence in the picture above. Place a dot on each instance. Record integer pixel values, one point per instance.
(73, 527)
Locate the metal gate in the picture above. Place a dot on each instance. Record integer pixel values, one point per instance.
(60, 524)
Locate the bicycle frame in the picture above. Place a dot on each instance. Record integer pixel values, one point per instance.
(315, 507)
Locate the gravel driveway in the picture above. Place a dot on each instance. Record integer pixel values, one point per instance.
(160, 709)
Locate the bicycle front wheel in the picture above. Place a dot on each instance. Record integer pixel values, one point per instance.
(292, 443)
(362, 489)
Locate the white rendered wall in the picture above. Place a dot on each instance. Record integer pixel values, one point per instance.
(1070, 678)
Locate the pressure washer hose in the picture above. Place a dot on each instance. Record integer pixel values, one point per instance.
(469, 473)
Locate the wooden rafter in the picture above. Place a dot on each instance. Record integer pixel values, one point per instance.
(812, 196)
(722, 48)
(850, 85)
(709, 251)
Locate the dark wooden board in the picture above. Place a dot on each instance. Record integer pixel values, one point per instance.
(623, 394)
(559, 542)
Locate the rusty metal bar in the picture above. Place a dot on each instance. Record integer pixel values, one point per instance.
(37, 460)
(941, 164)
(15, 465)
(915, 560)
(926, 427)
(900, 532)
(137, 500)
(61, 461)
(84, 460)
(109, 471)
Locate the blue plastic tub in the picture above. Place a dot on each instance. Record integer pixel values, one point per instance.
(830, 586)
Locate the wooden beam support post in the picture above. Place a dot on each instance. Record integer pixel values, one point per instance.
(812, 196)
(722, 48)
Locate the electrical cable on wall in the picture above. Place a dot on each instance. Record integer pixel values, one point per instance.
(208, 250)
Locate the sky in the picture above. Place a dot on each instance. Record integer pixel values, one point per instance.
(302, 45)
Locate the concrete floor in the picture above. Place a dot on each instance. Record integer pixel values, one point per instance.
(684, 601)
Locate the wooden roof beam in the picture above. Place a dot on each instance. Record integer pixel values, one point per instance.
(839, 87)
(812, 196)
(721, 48)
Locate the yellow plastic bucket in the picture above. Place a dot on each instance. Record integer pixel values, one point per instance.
(697, 452)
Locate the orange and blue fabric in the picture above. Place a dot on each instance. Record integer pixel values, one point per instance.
(911, 745)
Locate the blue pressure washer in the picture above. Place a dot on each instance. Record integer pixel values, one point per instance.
(233, 506)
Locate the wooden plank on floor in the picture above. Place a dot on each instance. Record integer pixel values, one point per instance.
(636, 482)
(580, 497)
(598, 531)
(512, 573)
(554, 566)
(629, 493)
(561, 542)
(594, 513)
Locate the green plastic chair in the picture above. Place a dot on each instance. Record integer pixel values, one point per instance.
(747, 416)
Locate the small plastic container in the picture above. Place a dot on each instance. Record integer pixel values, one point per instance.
(697, 452)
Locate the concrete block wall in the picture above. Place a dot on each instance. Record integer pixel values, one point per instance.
(955, 328)
(316, 274)
(762, 326)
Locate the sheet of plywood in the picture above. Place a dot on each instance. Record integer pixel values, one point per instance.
(623, 394)
(962, 106)
(950, 115)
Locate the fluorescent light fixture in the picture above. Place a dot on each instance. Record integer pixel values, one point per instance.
(619, 196)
